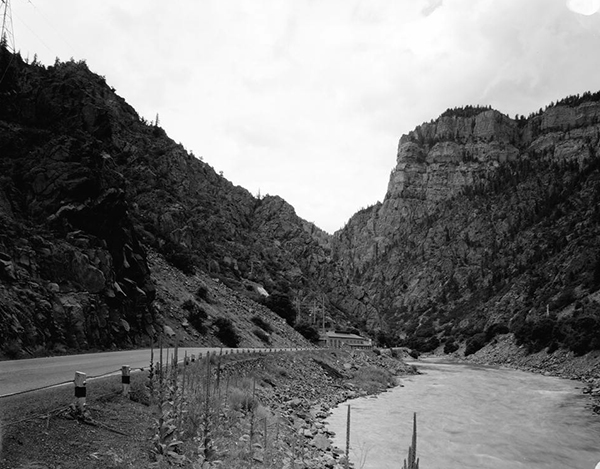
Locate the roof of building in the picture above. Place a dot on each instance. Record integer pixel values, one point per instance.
(340, 335)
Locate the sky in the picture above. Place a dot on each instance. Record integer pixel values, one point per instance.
(307, 99)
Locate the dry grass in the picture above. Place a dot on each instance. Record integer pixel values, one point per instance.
(204, 415)
(372, 379)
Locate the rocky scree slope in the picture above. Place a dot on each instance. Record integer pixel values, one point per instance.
(87, 187)
(489, 223)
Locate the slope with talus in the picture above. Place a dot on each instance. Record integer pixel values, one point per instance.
(87, 187)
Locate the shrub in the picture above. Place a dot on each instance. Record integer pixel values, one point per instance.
(281, 305)
(226, 333)
(260, 322)
(450, 346)
(196, 318)
(12, 349)
(242, 400)
(535, 335)
(494, 330)
(308, 332)
(581, 334)
(423, 344)
(202, 293)
(475, 343)
(182, 261)
(372, 379)
(196, 315)
(262, 335)
(188, 305)
(386, 339)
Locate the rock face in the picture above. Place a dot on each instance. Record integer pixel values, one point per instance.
(487, 220)
(87, 187)
(74, 274)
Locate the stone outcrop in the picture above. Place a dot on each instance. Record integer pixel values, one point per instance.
(486, 219)
(87, 187)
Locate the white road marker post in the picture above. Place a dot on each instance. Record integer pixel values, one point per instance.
(80, 391)
(125, 379)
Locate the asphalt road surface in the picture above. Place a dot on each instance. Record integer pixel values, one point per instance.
(17, 376)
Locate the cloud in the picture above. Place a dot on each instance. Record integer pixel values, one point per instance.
(584, 7)
(431, 6)
(307, 99)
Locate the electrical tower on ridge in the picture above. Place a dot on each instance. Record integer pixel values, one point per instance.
(7, 36)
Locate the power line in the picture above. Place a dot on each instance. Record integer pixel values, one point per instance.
(51, 25)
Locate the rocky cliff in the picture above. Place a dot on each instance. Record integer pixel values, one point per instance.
(112, 233)
(88, 188)
(487, 220)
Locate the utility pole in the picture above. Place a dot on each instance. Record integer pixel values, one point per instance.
(323, 313)
(298, 304)
(7, 35)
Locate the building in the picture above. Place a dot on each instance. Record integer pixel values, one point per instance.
(338, 340)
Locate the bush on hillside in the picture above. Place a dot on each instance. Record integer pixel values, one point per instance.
(196, 316)
(535, 334)
(180, 258)
(494, 330)
(450, 346)
(308, 332)
(475, 343)
(423, 344)
(581, 334)
(281, 305)
(226, 332)
(262, 335)
(260, 322)
(202, 293)
(386, 339)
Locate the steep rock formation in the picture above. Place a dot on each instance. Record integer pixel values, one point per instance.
(86, 187)
(485, 218)
(487, 221)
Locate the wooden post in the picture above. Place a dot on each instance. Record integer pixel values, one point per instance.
(125, 379)
(80, 391)
(348, 440)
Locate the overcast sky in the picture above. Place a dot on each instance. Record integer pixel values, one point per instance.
(307, 99)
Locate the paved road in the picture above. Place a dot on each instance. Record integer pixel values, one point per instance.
(18, 376)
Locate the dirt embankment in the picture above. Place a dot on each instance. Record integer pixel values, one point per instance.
(263, 411)
(504, 351)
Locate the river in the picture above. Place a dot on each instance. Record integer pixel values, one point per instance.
(473, 417)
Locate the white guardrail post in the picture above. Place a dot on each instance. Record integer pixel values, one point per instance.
(80, 391)
(125, 379)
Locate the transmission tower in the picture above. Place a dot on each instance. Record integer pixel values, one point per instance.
(7, 35)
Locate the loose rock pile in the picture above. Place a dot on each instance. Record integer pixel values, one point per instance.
(303, 387)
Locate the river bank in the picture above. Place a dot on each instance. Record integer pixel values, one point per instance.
(269, 413)
(503, 351)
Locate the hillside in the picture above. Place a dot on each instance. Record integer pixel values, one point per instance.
(111, 233)
(88, 190)
(489, 224)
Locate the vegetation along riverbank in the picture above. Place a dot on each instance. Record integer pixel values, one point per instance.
(260, 410)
